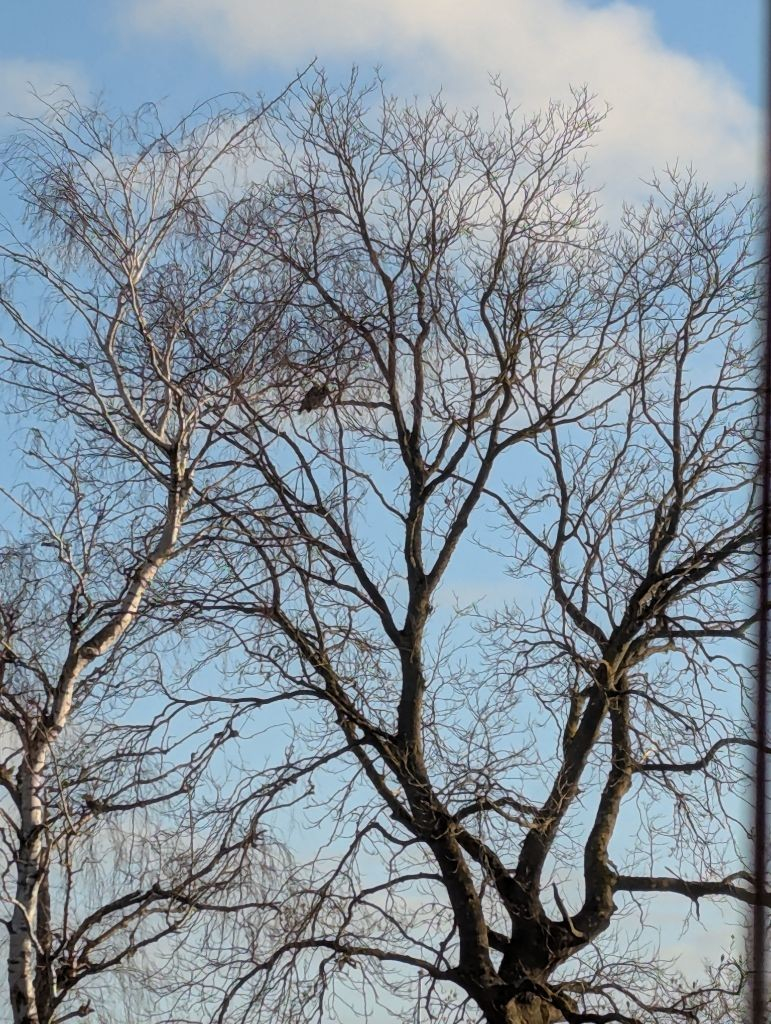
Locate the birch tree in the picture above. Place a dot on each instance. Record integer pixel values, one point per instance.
(121, 279)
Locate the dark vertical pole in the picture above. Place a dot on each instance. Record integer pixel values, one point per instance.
(759, 980)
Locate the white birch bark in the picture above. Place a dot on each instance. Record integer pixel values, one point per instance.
(22, 953)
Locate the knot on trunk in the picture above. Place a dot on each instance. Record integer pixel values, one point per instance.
(531, 1010)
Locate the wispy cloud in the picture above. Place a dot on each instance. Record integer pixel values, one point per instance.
(667, 106)
(23, 83)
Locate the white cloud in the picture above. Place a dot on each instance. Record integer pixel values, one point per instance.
(667, 106)
(24, 82)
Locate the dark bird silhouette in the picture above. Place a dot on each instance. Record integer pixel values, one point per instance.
(314, 397)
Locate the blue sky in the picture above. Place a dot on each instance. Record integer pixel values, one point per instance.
(100, 41)
(683, 76)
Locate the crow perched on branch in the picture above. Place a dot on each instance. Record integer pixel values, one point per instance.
(314, 397)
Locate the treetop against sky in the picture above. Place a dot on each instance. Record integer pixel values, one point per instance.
(683, 78)
(381, 594)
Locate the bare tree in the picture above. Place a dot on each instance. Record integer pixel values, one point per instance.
(487, 380)
(279, 425)
(122, 272)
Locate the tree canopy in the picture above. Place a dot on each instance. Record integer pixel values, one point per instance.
(379, 602)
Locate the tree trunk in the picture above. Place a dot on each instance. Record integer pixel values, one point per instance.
(22, 955)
